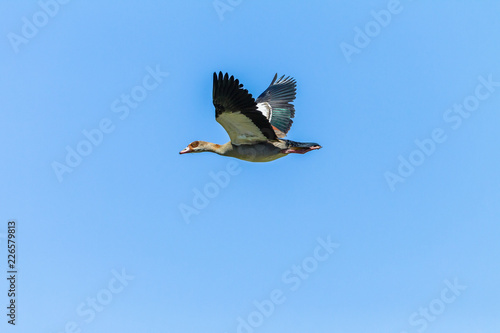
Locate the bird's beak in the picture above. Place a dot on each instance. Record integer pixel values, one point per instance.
(185, 150)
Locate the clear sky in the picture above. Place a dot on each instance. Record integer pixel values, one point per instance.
(392, 227)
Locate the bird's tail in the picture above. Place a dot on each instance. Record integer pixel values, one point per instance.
(291, 143)
(300, 147)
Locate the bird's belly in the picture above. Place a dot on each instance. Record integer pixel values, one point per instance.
(257, 153)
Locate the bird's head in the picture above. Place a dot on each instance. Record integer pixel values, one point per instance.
(197, 147)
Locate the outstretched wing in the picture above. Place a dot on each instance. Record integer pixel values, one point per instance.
(275, 103)
(236, 111)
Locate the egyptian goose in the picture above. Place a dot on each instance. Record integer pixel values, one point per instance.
(255, 127)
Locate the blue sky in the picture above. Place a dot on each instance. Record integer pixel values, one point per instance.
(391, 227)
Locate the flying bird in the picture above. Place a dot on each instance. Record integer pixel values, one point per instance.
(256, 127)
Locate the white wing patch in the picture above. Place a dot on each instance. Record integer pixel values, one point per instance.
(265, 109)
(241, 129)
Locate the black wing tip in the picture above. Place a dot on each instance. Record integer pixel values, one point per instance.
(220, 74)
(225, 78)
(228, 94)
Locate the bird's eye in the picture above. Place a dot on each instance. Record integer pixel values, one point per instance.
(195, 144)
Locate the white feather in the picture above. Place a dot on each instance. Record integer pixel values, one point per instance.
(265, 109)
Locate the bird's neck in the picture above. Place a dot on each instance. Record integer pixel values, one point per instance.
(219, 149)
